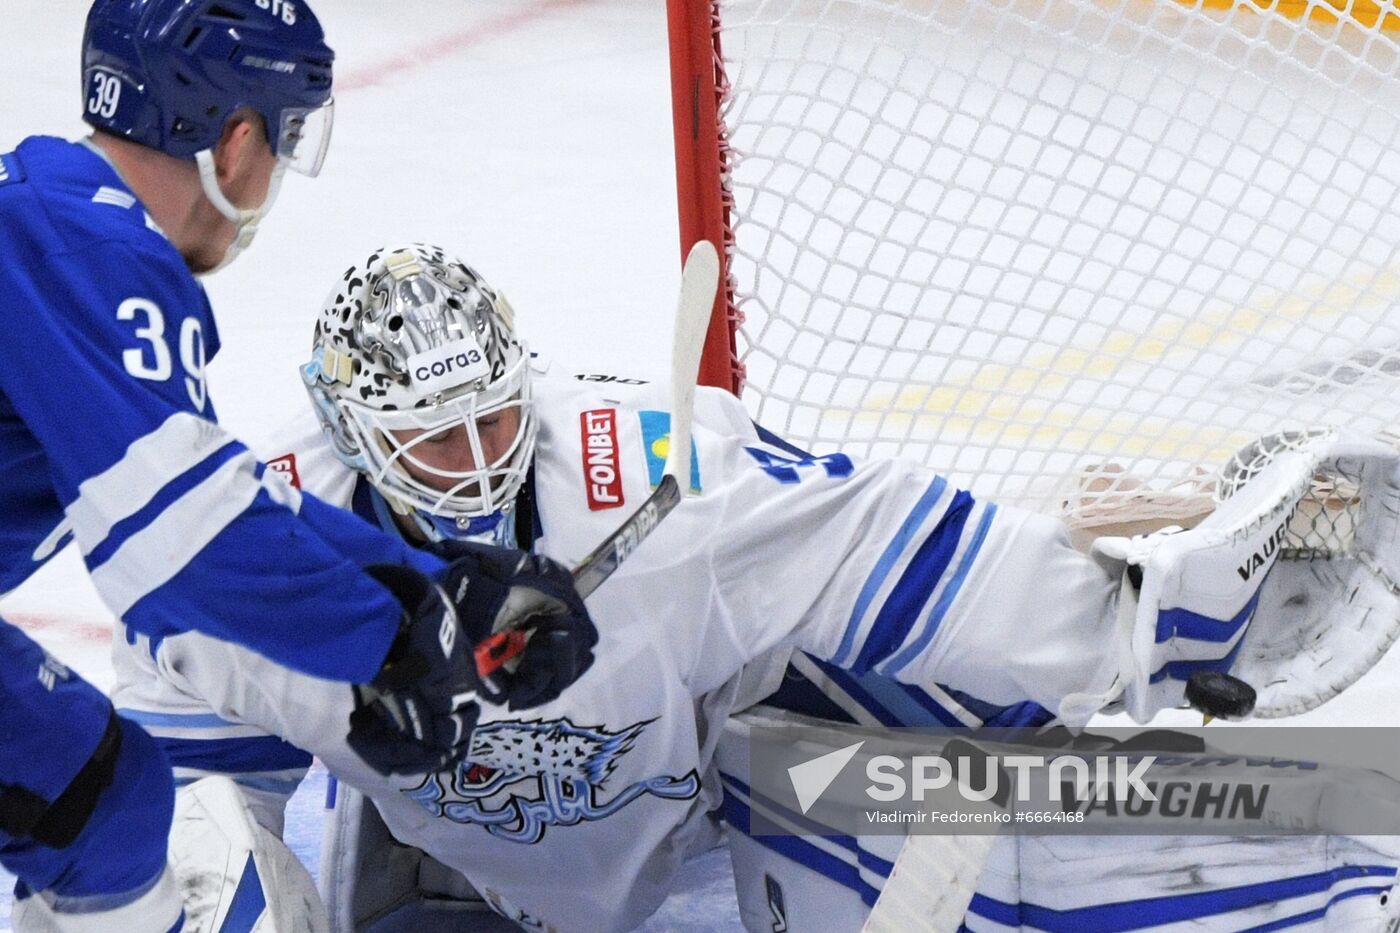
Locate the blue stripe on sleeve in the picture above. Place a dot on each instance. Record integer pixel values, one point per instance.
(950, 593)
(890, 701)
(918, 582)
(1197, 627)
(175, 720)
(855, 687)
(887, 560)
(170, 493)
(234, 756)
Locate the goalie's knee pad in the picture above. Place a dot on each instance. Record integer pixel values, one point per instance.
(234, 873)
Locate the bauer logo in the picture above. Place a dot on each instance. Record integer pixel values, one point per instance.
(447, 367)
(602, 473)
(285, 466)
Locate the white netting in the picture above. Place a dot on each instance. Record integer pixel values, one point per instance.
(1064, 250)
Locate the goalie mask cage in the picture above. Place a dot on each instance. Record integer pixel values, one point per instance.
(1073, 254)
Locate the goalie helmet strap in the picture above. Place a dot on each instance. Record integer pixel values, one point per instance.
(24, 813)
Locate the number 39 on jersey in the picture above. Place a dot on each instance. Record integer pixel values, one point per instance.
(152, 360)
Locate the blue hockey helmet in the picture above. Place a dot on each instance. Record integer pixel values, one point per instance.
(169, 73)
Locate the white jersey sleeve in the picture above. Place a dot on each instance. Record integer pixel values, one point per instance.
(881, 566)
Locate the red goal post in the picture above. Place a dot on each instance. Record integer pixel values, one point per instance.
(696, 77)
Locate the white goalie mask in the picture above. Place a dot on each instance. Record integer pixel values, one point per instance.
(422, 385)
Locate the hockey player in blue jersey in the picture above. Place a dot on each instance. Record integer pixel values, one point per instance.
(107, 425)
(879, 580)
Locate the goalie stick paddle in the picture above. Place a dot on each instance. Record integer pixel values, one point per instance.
(934, 877)
(699, 282)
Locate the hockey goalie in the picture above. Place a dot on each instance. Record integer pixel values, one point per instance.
(876, 583)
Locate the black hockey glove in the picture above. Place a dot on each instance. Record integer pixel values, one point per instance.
(532, 614)
(418, 713)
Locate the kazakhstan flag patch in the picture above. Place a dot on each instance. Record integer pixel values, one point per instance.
(656, 442)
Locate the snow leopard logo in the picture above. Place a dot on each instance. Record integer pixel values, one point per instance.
(523, 777)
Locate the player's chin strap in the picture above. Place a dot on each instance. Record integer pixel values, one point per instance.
(498, 528)
(245, 220)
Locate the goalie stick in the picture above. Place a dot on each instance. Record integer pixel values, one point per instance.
(699, 282)
(934, 877)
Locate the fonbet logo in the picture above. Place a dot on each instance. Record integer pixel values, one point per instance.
(602, 473)
(285, 466)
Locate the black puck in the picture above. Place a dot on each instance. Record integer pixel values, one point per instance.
(1220, 695)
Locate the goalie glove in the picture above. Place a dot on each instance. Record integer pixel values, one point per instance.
(1217, 598)
(1325, 621)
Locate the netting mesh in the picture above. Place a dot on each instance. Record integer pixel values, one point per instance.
(1072, 254)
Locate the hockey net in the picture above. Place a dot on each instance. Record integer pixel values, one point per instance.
(1073, 254)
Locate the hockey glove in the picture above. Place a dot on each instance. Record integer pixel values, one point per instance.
(418, 713)
(1214, 599)
(531, 598)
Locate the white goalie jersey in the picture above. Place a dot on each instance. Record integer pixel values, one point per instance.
(888, 589)
(881, 567)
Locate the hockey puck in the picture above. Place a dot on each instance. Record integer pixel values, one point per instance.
(1220, 695)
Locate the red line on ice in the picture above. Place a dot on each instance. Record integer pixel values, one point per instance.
(448, 45)
(74, 627)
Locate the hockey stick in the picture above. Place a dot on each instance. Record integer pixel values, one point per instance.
(699, 282)
(934, 877)
(931, 885)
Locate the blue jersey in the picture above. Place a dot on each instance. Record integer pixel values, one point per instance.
(105, 415)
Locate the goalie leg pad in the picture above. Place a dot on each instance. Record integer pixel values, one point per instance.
(234, 874)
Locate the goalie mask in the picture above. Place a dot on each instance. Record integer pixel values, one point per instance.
(422, 385)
